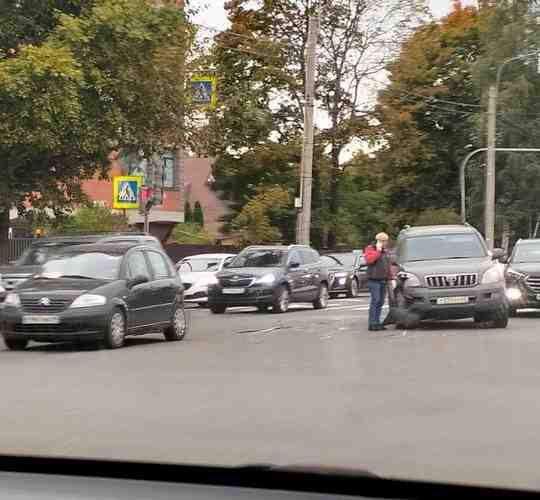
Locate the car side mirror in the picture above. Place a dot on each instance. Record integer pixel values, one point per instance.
(498, 254)
(294, 265)
(137, 280)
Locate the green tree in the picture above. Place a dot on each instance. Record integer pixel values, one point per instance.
(434, 216)
(256, 220)
(510, 31)
(425, 134)
(198, 214)
(89, 219)
(262, 56)
(188, 214)
(193, 234)
(100, 75)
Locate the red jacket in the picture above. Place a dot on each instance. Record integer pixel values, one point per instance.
(372, 255)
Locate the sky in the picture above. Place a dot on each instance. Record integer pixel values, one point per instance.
(213, 14)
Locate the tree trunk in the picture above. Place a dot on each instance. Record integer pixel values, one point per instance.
(333, 205)
(4, 223)
(505, 241)
(536, 226)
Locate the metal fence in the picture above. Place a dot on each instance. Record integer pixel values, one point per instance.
(11, 250)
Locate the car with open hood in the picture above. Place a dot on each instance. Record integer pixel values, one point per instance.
(99, 293)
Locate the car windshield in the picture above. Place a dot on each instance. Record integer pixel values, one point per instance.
(440, 247)
(96, 265)
(527, 252)
(199, 265)
(260, 258)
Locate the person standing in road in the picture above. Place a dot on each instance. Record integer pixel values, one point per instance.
(378, 272)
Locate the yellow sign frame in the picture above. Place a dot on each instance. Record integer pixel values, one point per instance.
(116, 191)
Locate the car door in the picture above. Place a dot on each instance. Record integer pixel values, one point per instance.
(295, 273)
(139, 297)
(311, 273)
(164, 287)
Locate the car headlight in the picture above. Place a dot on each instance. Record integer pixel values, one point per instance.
(267, 279)
(89, 300)
(410, 279)
(12, 300)
(340, 275)
(492, 275)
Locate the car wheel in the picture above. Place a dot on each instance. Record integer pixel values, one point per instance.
(116, 329)
(16, 343)
(321, 302)
(353, 289)
(179, 325)
(282, 300)
(218, 308)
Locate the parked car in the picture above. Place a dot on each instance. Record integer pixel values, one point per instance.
(446, 272)
(41, 250)
(523, 275)
(347, 273)
(98, 292)
(199, 271)
(270, 276)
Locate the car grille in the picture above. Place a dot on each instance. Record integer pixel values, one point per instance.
(236, 281)
(34, 305)
(534, 283)
(452, 280)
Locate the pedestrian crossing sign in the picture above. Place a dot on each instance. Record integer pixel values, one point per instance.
(204, 91)
(126, 191)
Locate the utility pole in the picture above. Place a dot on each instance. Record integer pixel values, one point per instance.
(303, 226)
(489, 216)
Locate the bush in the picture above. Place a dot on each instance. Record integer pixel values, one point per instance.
(435, 216)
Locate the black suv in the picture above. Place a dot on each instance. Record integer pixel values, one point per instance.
(447, 272)
(40, 251)
(270, 276)
(523, 275)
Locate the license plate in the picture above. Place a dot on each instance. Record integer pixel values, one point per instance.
(40, 320)
(452, 300)
(234, 291)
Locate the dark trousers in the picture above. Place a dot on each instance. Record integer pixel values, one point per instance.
(377, 293)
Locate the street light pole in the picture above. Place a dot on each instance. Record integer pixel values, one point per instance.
(489, 214)
(303, 227)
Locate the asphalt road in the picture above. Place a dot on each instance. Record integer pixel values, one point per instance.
(448, 401)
